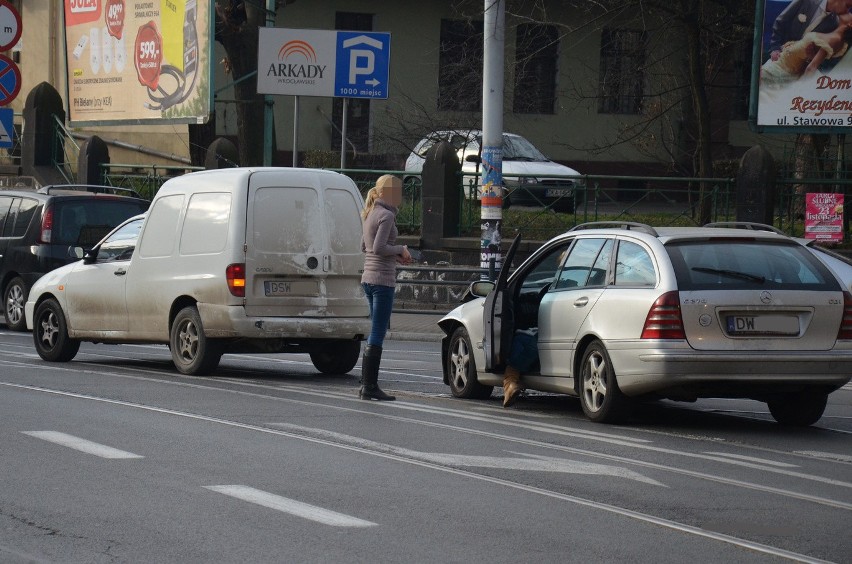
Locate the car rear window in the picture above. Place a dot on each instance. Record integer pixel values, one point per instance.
(747, 264)
(84, 222)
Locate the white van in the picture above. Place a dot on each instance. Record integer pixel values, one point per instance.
(225, 261)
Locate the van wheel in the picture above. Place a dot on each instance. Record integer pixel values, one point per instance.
(192, 352)
(14, 299)
(600, 397)
(341, 359)
(798, 410)
(461, 368)
(50, 333)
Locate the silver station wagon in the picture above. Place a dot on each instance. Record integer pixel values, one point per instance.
(628, 311)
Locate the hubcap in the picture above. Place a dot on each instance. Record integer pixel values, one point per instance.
(188, 341)
(15, 305)
(49, 332)
(458, 362)
(594, 382)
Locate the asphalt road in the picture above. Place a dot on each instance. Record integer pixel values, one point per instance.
(115, 457)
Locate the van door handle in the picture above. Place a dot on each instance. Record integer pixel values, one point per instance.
(326, 263)
(581, 302)
(120, 272)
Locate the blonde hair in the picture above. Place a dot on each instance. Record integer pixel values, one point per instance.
(372, 195)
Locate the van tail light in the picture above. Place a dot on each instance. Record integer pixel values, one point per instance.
(664, 320)
(845, 332)
(236, 276)
(46, 233)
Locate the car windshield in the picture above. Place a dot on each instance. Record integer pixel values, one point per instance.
(728, 264)
(515, 147)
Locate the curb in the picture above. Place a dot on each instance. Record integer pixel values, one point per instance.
(410, 336)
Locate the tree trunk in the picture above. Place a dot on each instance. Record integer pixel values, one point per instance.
(237, 31)
(701, 105)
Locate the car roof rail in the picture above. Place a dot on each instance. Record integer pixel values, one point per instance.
(24, 188)
(630, 225)
(750, 225)
(95, 189)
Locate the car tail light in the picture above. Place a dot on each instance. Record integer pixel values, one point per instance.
(664, 320)
(46, 233)
(845, 332)
(236, 276)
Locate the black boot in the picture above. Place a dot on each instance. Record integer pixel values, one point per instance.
(370, 375)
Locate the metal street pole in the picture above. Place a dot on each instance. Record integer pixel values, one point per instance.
(268, 116)
(491, 189)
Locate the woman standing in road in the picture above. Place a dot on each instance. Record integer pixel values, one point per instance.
(379, 279)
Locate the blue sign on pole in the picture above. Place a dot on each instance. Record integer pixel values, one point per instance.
(363, 60)
(7, 127)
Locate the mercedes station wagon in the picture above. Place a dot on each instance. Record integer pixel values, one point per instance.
(627, 311)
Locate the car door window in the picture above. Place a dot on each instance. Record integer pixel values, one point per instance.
(633, 266)
(121, 244)
(586, 264)
(5, 203)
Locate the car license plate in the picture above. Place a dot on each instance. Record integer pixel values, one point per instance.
(762, 325)
(274, 288)
(557, 192)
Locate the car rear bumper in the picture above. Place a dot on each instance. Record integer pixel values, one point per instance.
(728, 374)
(231, 322)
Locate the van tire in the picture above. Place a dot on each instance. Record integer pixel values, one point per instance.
(14, 298)
(342, 357)
(192, 352)
(50, 333)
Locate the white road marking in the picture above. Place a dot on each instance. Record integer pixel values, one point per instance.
(291, 506)
(82, 445)
(752, 459)
(638, 516)
(826, 455)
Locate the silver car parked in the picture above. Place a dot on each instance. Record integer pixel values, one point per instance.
(629, 311)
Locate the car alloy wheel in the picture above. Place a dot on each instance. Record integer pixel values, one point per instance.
(600, 397)
(50, 333)
(14, 300)
(192, 352)
(461, 368)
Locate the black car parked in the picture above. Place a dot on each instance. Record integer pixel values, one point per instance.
(40, 227)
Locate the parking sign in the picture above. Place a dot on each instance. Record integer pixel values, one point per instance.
(311, 62)
(363, 60)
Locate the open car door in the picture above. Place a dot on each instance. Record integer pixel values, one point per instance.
(498, 321)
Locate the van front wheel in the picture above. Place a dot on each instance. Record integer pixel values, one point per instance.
(192, 352)
(342, 357)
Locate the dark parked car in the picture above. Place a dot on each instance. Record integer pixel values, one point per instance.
(39, 227)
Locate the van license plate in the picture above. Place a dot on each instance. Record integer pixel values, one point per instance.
(557, 192)
(763, 325)
(290, 288)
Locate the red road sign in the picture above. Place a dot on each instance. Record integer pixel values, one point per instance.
(10, 25)
(10, 80)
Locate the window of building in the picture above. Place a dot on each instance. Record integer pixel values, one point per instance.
(536, 51)
(622, 75)
(460, 66)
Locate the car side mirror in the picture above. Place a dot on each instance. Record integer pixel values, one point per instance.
(473, 159)
(89, 256)
(481, 288)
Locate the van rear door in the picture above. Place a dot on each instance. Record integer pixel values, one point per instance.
(303, 252)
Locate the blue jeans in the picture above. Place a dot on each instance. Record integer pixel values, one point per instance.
(380, 299)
